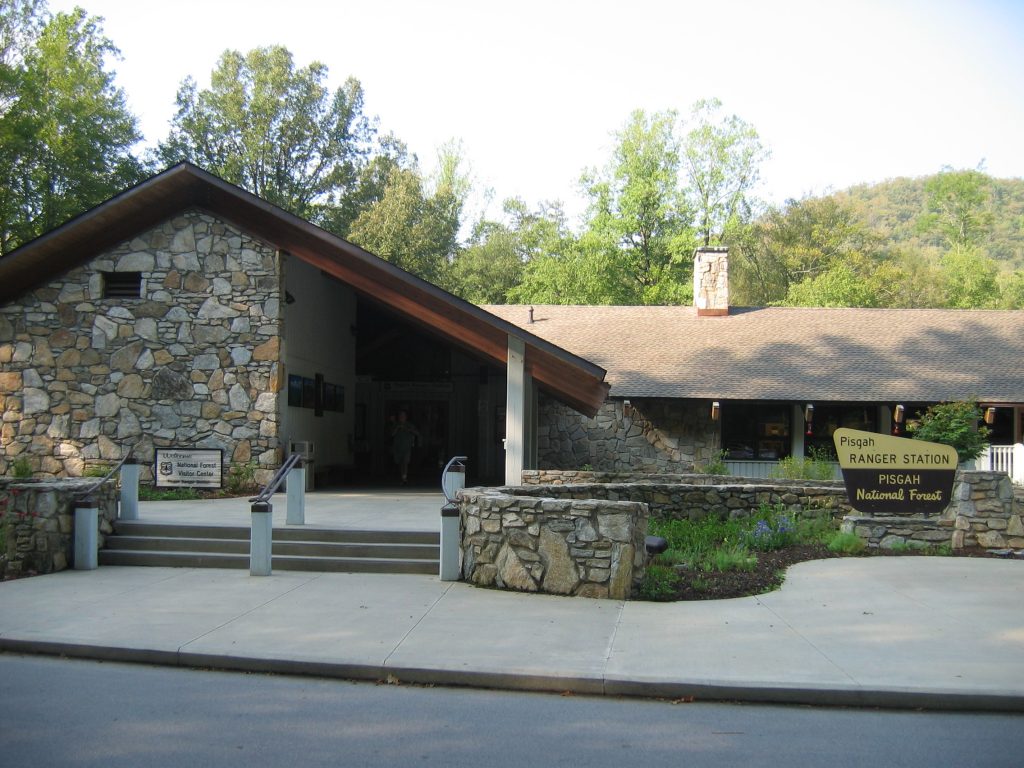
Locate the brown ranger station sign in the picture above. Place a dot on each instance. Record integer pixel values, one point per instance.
(886, 475)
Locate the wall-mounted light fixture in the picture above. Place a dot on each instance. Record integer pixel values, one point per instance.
(990, 416)
(288, 298)
(715, 410)
(898, 415)
(809, 419)
(627, 409)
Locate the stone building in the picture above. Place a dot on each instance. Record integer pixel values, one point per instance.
(186, 312)
(755, 385)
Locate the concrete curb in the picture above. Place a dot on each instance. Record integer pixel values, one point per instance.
(687, 690)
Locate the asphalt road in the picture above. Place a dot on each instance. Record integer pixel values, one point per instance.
(61, 712)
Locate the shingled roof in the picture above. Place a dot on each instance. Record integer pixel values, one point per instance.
(856, 355)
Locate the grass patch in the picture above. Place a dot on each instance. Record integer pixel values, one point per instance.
(846, 544)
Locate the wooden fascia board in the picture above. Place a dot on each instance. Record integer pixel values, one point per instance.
(586, 393)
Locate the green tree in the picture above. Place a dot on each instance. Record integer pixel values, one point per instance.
(65, 131)
(953, 424)
(957, 205)
(970, 280)
(1011, 290)
(638, 216)
(489, 270)
(722, 156)
(275, 130)
(817, 241)
(840, 286)
(415, 223)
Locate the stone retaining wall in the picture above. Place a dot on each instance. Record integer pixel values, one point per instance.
(657, 436)
(37, 521)
(192, 362)
(691, 497)
(589, 548)
(983, 513)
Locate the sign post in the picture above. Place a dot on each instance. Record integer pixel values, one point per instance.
(892, 475)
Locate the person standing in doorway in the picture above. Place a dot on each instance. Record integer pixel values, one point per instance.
(403, 438)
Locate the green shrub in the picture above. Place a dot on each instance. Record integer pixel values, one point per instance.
(954, 424)
(815, 529)
(241, 479)
(660, 583)
(715, 465)
(818, 466)
(847, 544)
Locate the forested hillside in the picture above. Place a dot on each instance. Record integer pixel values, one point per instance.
(954, 239)
(894, 209)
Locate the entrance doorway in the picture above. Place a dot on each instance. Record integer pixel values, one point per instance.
(447, 395)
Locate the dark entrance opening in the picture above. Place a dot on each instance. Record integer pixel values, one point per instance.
(447, 395)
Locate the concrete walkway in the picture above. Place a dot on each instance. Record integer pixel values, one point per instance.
(397, 509)
(891, 632)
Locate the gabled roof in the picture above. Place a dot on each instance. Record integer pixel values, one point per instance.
(574, 380)
(858, 355)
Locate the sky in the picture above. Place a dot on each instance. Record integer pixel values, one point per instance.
(841, 93)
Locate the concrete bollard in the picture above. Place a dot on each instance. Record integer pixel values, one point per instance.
(129, 490)
(87, 530)
(453, 480)
(296, 495)
(261, 539)
(449, 566)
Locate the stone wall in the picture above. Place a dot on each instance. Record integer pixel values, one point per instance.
(37, 523)
(983, 513)
(690, 497)
(193, 362)
(657, 436)
(586, 548)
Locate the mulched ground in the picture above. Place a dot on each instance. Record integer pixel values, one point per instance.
(769, 572)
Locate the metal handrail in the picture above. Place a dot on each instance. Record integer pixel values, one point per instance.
(444, 474)
(95, 486)
(275, 482)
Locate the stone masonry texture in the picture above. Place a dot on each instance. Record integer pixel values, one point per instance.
(192, 362)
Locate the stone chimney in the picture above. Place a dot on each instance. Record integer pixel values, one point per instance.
(711, 281)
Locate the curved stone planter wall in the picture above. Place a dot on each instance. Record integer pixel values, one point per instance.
(589, 548)
(37, 518)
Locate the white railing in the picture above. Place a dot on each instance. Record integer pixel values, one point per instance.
(764, 470)
(1004, 458)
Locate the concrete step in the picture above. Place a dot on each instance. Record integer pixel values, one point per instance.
(299, 548)
(379, 549)
(297, 533)
(153, 558)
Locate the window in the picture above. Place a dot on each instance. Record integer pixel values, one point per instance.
(756, 431)
(303, 393)
(122, 285)
(828, 418)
